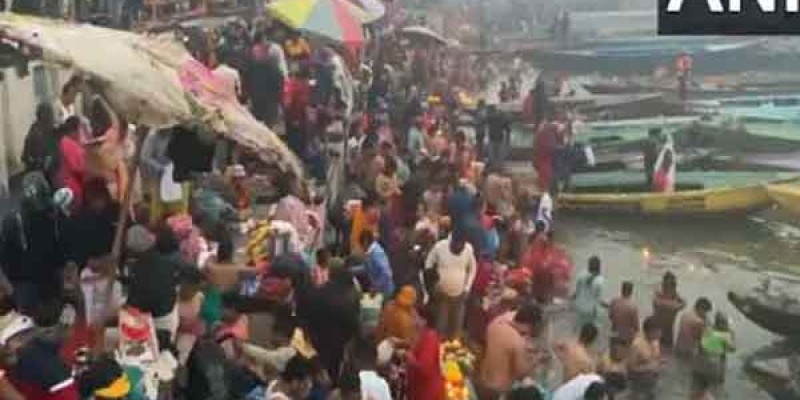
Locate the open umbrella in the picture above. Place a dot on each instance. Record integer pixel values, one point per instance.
(373, 9)
(337, 20)
(423, 33)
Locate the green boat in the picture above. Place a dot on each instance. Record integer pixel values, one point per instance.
(634, 181)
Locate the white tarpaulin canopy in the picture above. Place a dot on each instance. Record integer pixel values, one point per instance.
(152, 80)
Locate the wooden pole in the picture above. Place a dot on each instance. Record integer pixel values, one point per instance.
(125, 205)
(119, 237)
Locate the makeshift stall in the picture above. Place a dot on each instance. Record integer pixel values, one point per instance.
(154, 83)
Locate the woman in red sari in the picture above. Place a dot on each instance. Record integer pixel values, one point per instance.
(544, 148)
(425, 380)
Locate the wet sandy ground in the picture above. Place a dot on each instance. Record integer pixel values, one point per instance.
(709, 258)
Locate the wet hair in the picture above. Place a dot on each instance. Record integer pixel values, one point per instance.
(669, 280)
(721, 322)
(166, 241)
(650, 325)
(703, 304)
(594, 268)
(525, 393)
(594, 265)
(529, 314)
(297, 369)
(627, 288)
(596, 391)
(588, 334)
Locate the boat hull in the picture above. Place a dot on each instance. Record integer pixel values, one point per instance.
(765, 316)
(787, 196)
(708, 202)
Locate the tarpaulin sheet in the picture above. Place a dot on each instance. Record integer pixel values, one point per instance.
(152, 80)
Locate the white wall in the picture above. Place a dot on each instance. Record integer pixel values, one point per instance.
(18, 100)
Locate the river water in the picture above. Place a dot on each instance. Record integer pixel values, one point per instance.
(708, 257)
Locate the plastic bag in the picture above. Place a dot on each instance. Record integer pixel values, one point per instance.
(171, 191)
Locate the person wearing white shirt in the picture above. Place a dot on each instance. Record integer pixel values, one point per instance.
(453, 259)
(545, 211)
(373, 386)
(582, 387)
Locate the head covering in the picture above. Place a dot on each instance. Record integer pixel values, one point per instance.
(139, 239)
(105, 378)
(18, 324)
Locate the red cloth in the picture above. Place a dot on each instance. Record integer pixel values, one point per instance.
(483, 278)
(296, 98)
(660, 181)
(30, 391)
(73, 168)
(543, 154)
(80, 335)
(550, 267)
(527, 109)
(425, 380)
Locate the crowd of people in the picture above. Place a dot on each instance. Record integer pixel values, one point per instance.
(432, 256)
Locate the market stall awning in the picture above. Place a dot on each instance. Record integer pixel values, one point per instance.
(337, 20)
(152, 80)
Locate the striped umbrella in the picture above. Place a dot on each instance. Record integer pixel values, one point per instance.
(337, 20)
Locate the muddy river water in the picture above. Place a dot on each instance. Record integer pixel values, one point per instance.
(708, 257)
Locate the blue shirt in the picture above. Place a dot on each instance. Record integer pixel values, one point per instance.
(379, 270)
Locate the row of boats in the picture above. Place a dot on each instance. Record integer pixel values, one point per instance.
(697, 194)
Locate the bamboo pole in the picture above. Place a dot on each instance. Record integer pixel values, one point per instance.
(119, 235)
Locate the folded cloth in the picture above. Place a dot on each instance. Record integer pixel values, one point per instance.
(39, 364)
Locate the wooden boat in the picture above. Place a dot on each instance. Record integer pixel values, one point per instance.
(697, 194)
(643, 55)
(776, 311)
(769, 314)
(786, 195)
